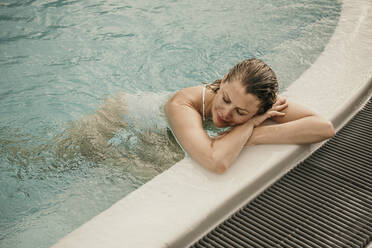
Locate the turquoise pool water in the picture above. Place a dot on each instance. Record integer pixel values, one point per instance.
(60, 59)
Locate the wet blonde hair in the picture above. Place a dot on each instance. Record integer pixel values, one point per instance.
(257, 78)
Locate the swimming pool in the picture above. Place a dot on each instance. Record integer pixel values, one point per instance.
(60, 59)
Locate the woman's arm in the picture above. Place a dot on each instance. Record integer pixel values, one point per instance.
(298, 126)
(214, 154)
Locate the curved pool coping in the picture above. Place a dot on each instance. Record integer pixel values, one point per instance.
(184, 202)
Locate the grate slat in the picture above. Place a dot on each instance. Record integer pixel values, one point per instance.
(292, 228)
(330, 218)
(323, 222)
(357, 160)
(273, 234)
(332, 213)
(335, 190)
(333, 208)
(344, 167)
(249, 232)
(316, 195)
(243, 238)
(306, 223)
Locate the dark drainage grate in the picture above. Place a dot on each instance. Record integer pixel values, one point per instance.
(325, 201)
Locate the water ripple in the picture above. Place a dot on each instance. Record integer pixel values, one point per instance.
(34, 35)
(15, 4)
(13, 60)
(15, 18)
(110, 36)
(59, 3)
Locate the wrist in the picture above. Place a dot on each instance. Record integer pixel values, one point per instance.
(250, 123)
(252, 141)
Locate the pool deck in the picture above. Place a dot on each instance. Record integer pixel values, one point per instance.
(181, 204)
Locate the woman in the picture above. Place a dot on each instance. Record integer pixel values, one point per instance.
(242, 100)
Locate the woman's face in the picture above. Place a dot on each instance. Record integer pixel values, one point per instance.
(232, 105)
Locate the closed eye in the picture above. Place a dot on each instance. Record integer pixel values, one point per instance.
(241, 112)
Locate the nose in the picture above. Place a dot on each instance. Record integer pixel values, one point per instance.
(227, 113)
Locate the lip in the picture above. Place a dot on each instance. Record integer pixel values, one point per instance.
(220, 119)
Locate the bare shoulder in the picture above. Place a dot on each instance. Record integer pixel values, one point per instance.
(183, 110)
(190, 97)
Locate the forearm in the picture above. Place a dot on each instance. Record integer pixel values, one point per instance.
(225, 149)
(306, 130)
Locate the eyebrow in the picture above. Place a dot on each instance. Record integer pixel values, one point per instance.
(242, 109)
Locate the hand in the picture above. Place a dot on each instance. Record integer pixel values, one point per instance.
(281, 103)
(275, 111)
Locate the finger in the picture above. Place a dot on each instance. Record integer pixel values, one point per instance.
(281, 107)
(276, 113)
(279, 114)
(280, 101)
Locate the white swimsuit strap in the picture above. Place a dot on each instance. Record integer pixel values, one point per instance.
(203, 99)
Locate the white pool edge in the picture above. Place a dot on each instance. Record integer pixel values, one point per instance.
(181, 204)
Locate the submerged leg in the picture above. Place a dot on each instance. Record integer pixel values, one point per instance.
(90, 135)
(142, 152)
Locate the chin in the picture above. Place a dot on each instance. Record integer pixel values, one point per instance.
(219, 124)
(216, 122)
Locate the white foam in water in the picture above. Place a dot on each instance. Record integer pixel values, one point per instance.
(146, 110)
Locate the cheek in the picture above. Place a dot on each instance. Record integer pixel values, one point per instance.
(218, 104)
(242, 119)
